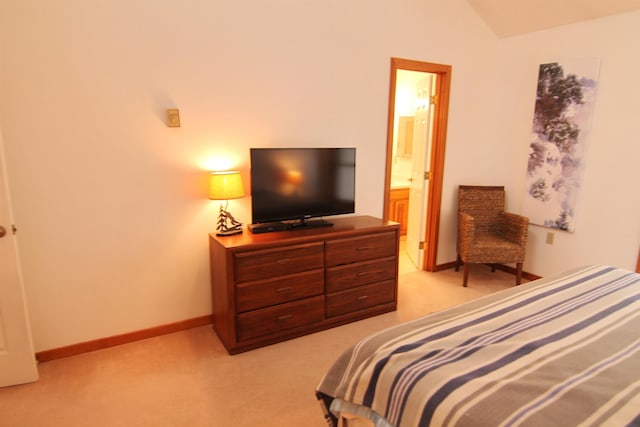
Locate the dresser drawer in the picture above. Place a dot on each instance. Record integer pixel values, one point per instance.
(355, 249)
(359, 298)
(264, 293)
(361, 273)
(257, 323)
(263, 264)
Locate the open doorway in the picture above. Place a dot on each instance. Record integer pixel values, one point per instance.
(417, 138)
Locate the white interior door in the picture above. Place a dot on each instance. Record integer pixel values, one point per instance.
(418, 187)
(17, 360)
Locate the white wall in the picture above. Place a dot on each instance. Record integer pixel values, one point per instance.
(111, 204)
(607, 227)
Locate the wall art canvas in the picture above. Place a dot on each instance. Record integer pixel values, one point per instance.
(561, 120)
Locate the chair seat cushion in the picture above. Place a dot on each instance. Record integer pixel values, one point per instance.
(492, 248)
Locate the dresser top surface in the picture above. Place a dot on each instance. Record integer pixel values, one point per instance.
(340, 226)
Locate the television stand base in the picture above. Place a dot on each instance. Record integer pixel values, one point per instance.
(267, 227)
(303, 224)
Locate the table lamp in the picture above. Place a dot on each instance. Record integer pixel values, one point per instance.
(226, 185)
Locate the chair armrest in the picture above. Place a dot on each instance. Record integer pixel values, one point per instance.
(515, 227)
(466, 231)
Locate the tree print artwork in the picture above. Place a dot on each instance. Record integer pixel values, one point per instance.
(562, 114)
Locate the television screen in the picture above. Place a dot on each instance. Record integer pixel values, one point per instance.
(301, 183)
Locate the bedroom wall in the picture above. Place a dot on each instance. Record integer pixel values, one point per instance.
(111, 204)
(607, 228)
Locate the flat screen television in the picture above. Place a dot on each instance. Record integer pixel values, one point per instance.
(291, 185)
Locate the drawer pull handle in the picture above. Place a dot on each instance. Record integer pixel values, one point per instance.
(362, 297)
(283, 261)
(363, 273)
(363, 248)
(285, 317)
(281, 290)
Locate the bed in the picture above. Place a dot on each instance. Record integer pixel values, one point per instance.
(559, 351)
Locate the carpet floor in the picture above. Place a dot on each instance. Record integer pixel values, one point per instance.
(188, 379)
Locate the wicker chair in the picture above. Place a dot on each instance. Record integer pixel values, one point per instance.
(487, 234)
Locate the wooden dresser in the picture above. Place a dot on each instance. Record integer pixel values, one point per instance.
(275, 286)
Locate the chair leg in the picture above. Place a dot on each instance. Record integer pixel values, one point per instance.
(458, 262)
(518, 273)
(465, 274)
(493, 268)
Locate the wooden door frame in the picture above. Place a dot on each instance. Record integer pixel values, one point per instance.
(436, 166)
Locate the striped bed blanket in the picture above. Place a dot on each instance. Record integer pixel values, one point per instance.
(559, 351)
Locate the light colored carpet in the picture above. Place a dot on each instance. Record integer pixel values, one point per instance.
(188, 379)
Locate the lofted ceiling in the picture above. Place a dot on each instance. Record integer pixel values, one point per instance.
(512, 17)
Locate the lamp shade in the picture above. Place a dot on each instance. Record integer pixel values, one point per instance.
(225, 185)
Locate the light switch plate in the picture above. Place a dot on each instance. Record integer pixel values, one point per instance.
(173, 117)
(550, 238)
